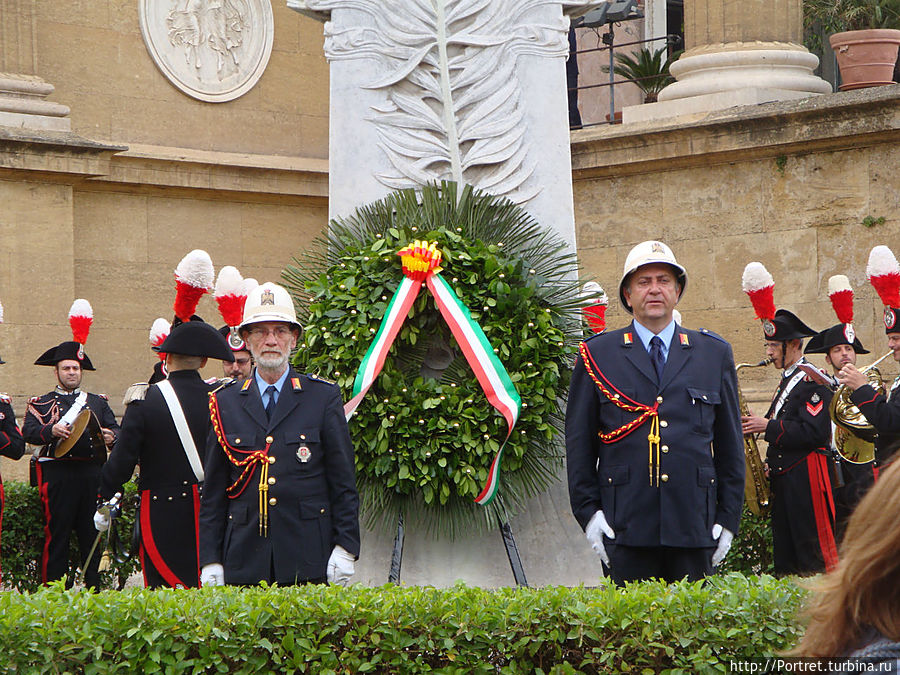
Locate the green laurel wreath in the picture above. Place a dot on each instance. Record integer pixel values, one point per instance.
(424, 445)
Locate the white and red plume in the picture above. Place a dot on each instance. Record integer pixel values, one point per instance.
(884, 275)
(595, 304)
(159, 331)
(81, 316)
(760, 286)
(840, 292)
(193, 278)
(230, 295)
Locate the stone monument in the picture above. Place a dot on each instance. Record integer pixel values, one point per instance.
(475, 92)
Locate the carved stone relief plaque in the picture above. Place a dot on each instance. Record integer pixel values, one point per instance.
(212, 50)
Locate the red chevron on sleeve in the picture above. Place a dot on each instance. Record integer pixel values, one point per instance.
(814, 409)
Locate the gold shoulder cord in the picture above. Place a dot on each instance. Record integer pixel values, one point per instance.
(622, 401)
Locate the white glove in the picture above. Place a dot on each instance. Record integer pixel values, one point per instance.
(596, 528)
(340, 566)
(101, 521)
(212, 575)
(724, 538)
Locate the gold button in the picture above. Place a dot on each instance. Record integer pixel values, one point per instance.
(321, 510)
(271, 460)
(665, 448)
(272, 501)
(609, 480)
(302, 437)
(269, 439)
(712, 481)
(665, 478)
(659, 399)
(663, 423)
(237, 440)
(271, 480)
(704, 397)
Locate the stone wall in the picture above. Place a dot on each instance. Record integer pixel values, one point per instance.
(147, 173)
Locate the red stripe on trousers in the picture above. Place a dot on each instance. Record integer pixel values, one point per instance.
(46, 504)
(150, 545)
(823, 507)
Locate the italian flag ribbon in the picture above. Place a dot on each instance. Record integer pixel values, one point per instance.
(421, 263)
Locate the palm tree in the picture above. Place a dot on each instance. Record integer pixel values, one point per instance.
(649, 70)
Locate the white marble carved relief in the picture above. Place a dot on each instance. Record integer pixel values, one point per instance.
(213, 50)
(452, 106)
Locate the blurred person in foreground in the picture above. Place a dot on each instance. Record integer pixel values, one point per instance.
(855, 609)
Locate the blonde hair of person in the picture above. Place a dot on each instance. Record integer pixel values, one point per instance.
(863, 592)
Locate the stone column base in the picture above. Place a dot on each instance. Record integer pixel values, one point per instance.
(22, 104)
(727, 75)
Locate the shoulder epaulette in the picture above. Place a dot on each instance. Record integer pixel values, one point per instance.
(318, 378)
(103, 396)
(709, 333)
(595, 335)
(224, 382)
(5, 397)
(135, 392)
(36, 399)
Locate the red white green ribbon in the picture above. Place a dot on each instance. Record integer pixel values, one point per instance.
(421, 261)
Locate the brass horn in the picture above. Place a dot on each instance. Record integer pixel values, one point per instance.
(756, 485)
(854, 436)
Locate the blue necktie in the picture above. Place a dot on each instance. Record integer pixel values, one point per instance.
(656, 356)
(270, 406)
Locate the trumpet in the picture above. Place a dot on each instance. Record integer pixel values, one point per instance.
(756, 485)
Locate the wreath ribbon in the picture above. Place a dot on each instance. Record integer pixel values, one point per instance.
(421, 263)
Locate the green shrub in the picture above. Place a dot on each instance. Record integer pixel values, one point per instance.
(22, 540)
(647, 627)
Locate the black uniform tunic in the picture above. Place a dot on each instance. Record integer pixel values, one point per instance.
(68, 485)
(12, 444)
(169, 489)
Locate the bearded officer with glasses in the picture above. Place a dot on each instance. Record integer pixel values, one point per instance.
(280, 502)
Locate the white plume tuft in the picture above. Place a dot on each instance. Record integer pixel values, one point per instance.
(159, 330)
(756, 277)
(81, 307)
(229, 282)
(196, 269)
(249, 284)
(881, 262)
(837, 283)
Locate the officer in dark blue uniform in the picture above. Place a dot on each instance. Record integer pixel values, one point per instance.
(797, 428)
(12, 444)
(653, 444)
(68, 483)
(171, 470)
(280, 501)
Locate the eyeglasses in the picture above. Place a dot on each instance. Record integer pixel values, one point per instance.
(281, 332)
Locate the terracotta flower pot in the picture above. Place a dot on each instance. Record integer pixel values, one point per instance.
(866, 58)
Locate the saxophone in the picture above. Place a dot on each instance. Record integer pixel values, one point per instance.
(756, 485)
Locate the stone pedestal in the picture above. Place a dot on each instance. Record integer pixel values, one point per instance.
(23, 104)
(740, 52)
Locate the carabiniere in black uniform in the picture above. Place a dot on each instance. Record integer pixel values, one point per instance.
(12, 444)
(68, 484)
(169, 488)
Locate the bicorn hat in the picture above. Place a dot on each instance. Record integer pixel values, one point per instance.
(81, 316)
(196, 338)
(841, 295)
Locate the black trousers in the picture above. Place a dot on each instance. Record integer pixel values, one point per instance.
(858, 478)
(669, 563)
(68, 491)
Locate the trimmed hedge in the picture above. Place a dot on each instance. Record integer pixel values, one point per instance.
(22, 539)
(647, 627)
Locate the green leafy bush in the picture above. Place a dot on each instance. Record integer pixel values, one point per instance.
(22, 540)
(647, 627)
